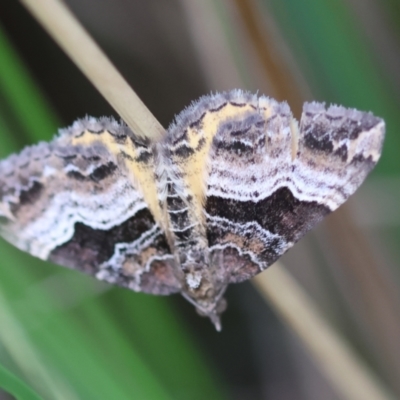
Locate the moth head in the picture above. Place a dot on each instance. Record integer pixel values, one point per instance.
(214, 312)
(207, 298)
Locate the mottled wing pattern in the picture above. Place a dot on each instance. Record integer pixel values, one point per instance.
(266, 180)
(235, 183)
(88, 200)
(337, 148)
(186, 151)
(248, 203)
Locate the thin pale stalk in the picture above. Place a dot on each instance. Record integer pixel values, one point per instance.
(64, 28)
(337, 360)
(376, 300)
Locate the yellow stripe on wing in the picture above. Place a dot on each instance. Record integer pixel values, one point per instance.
(141, 172)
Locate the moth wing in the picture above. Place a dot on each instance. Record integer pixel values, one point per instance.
(88, 201)
(269, 181)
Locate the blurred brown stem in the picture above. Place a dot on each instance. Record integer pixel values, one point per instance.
(285, 86)
(340, 365)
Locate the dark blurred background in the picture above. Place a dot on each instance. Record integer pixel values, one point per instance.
(92, 339)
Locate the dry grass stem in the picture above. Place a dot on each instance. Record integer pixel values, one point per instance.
(80, 47)
(341, 366)
(285, 85)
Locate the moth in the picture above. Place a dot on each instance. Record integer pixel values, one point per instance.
(235, 182)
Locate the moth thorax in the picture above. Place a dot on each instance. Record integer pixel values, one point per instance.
(197, 277)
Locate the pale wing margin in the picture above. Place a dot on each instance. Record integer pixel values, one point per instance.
(74, 201)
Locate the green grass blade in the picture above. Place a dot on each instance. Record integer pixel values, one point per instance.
(13, 385)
